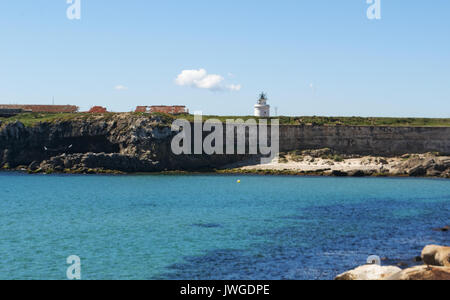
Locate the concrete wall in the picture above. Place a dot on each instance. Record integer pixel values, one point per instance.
(366, 140)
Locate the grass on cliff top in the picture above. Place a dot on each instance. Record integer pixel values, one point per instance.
(344, 121)
(31, 119)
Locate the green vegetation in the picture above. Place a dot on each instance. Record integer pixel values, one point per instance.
(31, 119)
(359, 121)
(340, 121)
(338, 158)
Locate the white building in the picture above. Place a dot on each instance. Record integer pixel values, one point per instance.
(262, 109)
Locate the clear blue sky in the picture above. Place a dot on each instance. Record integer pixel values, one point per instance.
(315, 57)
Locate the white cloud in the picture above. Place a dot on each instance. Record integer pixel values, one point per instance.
(202, 80)
(235, 87)
(210, 82)
(120, 88)
(189, 77)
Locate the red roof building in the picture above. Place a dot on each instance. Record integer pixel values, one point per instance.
(98, 110)
(172, 110)
(43, 108)
(141, 109)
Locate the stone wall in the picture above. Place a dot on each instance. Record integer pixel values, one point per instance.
(387, 141)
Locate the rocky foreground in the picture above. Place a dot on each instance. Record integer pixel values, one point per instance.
(436, 267)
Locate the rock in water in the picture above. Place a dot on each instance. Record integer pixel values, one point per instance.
(436, 256)
(443, 229)
(422, 273)
(369, 272)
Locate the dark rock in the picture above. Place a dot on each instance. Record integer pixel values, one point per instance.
(338, 173)
(417, 259)
(440, 168)
(89, 162)
(435, 255)
(357, 173)
(429, 163)
(443, 229)
(383, 161)
(34, 166)
(402, 264)
(434, 173)
(442, 164)
(417, 171)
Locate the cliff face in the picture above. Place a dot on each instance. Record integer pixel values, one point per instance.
(122, 142)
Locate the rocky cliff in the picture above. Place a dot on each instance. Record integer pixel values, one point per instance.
(142, 143)
(120, 142)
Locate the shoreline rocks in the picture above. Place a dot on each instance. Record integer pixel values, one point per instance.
(95, 161)
(332, 164)
(422, 273)
(436, 267)
(369, 272)
(434, 255)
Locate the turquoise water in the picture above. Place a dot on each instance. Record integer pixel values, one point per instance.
(211, 227)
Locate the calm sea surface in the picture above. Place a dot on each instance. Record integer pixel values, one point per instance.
(211, 227)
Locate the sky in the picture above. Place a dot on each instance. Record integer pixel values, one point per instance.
(312, 57)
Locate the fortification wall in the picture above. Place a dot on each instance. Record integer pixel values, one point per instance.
(366, 140)
(363, 140)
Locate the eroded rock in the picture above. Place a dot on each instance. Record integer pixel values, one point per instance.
(422, 273)
(91, 161)
(369, 272)
(436, 255)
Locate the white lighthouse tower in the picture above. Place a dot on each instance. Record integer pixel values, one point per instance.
(262, 109)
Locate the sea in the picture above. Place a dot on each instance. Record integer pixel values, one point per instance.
(213, 227)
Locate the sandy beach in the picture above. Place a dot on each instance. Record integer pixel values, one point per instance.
(326, 162)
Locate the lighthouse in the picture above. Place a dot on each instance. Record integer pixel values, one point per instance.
(262, 109)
